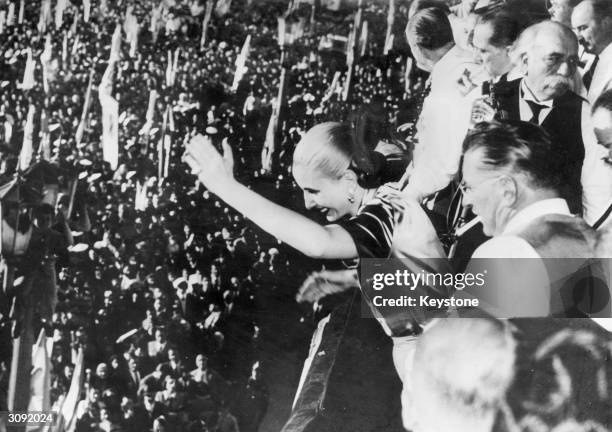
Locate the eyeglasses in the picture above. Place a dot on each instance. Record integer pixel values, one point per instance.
(465, 189)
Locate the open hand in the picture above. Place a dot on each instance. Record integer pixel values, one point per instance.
(213, 169)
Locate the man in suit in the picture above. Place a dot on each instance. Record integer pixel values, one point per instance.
(511, 179)
(602, 124)
(592, 23)
(445, 115)
(548, 54)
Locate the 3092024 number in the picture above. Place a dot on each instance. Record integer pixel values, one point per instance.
(38, 418)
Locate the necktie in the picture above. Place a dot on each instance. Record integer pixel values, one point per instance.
(587, 78)
(536, 108)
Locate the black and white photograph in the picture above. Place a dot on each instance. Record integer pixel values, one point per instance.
(306, 215)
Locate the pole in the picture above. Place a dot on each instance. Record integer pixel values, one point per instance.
(21, 364)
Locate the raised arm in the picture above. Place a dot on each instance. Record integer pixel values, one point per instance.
(216, 173)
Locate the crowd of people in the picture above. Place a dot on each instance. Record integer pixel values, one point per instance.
(169, 276)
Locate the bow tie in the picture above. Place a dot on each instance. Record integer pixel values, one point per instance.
(536, 108)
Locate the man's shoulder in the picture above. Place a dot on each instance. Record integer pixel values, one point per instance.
(508, 246)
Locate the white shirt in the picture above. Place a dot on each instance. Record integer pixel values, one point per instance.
(508, 244)
(596, 174)
(441, 127)
(515, 286)
(525, 110)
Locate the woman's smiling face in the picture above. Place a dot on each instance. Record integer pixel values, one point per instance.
(329, 195)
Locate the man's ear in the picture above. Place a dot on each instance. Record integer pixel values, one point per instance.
(510, 190)
(524, 62)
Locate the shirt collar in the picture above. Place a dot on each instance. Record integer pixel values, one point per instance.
(606, 52)
(533, 211)
(527, 95)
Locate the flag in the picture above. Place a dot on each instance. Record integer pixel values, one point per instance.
(110, 118)
(25, 157)
(40, 378)
(45, 16)
(332, 87)
(59, 12)
(67, 418)
(156, 13)
(110, 130)
(151, 107)
(282, 31)
(389, 44)
(45, 137)
(83, 123)
(45, 60)
(65, 51)
(296, 29)
(21, 12)
(134, 43)
(75, 22)
(115, 52)
(222, 7)
(10, 17)
(8, 128)
(170, 71)
(390, 21)
(205, 22)
(241, 63)
(28, 73)
(86, 10)
(146, 128)
(45, 56)
(75, 45)
(407, 82)
(363, 40)
(161, 146)
(2, 21)
(140, 201)
(168, 142)
(130, 27)
(351, 48)
(177, 53)
(270, 142)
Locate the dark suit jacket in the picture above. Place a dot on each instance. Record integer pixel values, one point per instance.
(563, 124)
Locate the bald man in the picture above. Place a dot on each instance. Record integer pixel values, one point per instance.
(592, 23)
(548, 54)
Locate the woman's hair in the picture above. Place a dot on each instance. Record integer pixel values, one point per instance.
(334, 147)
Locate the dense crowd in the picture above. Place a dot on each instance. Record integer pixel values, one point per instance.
(171, 295)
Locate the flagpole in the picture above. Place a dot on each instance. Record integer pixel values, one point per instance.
(21, 363)
(352, 52)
